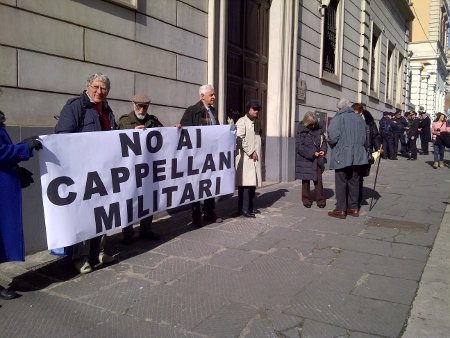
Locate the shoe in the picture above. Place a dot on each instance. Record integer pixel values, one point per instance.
(412, 159)
(353, 212)
(321, 206)
(127, 240)
(307, 205)
(212, 218)
(248, 214)
(441, 164)
(394, 158)
(150, 235)
(83, 266)
(7, 294)
(435, 165)
(337, 214)
(105, 259)
(197, 222)
(255, 211)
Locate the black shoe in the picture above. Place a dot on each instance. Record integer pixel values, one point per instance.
(412, 159)
(321, 206)
(307, 205)
(248, 214)
(255, 211)
(394, 158)
(7, 294)
(127, 241)
(150, 235)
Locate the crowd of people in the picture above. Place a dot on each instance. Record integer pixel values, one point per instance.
(352, 136)
(90, 112)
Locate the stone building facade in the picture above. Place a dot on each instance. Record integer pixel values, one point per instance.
(293, 55)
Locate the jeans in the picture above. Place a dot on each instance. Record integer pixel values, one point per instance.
(438, 152)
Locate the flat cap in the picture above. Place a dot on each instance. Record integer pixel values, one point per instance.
(141, 99)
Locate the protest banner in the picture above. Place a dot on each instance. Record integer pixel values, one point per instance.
(96, 182)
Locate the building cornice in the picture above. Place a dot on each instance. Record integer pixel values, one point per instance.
(404, 6)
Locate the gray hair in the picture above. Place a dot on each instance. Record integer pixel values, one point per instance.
(204, 88)
(342, 103)
(98, 77)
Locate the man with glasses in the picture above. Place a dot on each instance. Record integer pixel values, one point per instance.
(86, 113)
(140, 119)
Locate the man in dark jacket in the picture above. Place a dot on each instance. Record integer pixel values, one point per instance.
(387, 136)
(140, 119)
(425, 131)
(347, 137)
(400, 131)
(87, 113)
(413, 133)
(203, 114)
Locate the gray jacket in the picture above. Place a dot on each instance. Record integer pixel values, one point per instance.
(346, 137)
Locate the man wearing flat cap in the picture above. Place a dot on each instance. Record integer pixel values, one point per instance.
(249, 132)
(413, 133)
(140, 119)
(387, 136)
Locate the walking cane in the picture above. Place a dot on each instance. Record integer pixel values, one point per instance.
(376, 175)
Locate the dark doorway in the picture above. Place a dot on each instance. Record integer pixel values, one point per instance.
(247, 52)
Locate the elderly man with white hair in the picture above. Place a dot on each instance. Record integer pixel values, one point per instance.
(346, 137)
(203, 113)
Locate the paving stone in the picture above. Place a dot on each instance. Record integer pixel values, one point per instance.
(354, 243)
(119, 296)
(336, 279)
(219, 238)
(186, 248)
(349, 311)
(147, 259)
(282, 322)
(124, 326)
(171, 269)
(413, 252)
(43, 315)
(362, 335)
(386, 288)
(260, 244)
(242, 226)
(326, 224)
(322, 256)
(176, 307)
(381, 233)
(404, 268)
(313, 329)
(228, 321)
(415, 238)
(361, 262)
(233, 258)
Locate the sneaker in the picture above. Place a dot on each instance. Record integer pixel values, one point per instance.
(150, 235)
(83, 266)
(105, 259)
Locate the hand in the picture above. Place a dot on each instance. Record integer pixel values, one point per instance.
(177, 125)
(412, 137)
(316, 154)
(141, 126)
(381, 151)
(33, 142)
(254, 156)
(321, 153)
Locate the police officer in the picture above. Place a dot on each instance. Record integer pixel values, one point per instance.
(387, 136)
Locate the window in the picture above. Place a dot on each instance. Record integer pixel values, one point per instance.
(375, 61)
(389, 73)
(400, 81)
(332, 37)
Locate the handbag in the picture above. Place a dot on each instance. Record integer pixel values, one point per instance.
(25, 176)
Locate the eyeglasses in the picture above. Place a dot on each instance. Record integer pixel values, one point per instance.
(102, 89)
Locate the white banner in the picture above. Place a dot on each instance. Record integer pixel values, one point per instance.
(93, 183)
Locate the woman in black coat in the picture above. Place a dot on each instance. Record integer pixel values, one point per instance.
(311, 148)
(373, 142)
(425, 131)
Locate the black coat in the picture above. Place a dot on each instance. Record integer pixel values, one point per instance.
(193, 115)
(373, 139)
(307, 142)
(425, 133)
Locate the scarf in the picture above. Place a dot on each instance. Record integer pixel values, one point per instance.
(257, 125)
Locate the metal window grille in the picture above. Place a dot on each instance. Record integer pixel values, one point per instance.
(330, 35)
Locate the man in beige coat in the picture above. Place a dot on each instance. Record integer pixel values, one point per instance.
(248, 158)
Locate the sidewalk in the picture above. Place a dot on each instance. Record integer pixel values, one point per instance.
(291, 272)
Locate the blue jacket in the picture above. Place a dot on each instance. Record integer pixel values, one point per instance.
(70, 119)
(12, 246)
(346, 137)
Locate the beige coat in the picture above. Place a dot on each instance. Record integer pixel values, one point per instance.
(248, 172)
